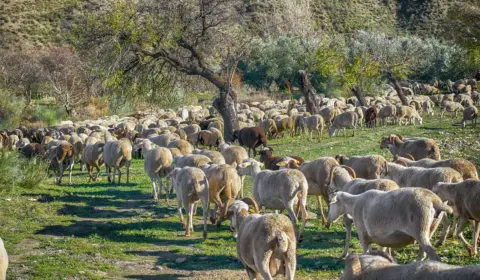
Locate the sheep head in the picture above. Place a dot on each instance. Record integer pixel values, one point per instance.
(240, 209)
(249, 167)
(336, 208)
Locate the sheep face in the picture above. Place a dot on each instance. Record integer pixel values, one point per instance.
(249, 167)
(331, 131)
(440, 190)
(336, 209)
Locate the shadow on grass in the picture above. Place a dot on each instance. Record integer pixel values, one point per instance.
(156, 277)
(193, 262)
(94, 212)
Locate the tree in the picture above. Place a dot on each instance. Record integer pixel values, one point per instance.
(309, 93)
(204, 38)
(65, 78)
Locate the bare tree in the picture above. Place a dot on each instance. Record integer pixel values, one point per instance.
(65, 77)
(309, 93)
(398, 88)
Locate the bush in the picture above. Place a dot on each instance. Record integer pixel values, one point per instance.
(18, 172)
(11, 109)
(48, 115)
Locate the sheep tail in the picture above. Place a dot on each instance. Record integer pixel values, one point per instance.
(439, 206)
(282, 241)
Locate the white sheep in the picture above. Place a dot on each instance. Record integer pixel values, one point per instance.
(116, 154)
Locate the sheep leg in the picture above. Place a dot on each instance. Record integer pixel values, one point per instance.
(113, 176)
(154, 190)
(461, 226)
(195, 208)
(90, 170)
(60, 174)
(320, 207)
(108, 170)
(160, 187)
(242, 179)
(190, 212)
(320, 135)
(446, 227)
(128, 171)
(304, 217)
(347, 222)
(264, 261)
(188, 209)
(205, 213)
(251, 273)
(98, 174)
(293, 217)
(70, 173)
(179, 208)
(425, 246)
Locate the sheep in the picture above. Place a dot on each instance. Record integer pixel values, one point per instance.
(164, 139)
(234, 155)
(116, 154)
(278, 190)
(4, 261)
(315, 123)
(370, 117)
(175, 152)
(285, 124)
(464, 196)
(191, 185)
(466, 168)
(182, 145)
(392, 219)
(224, 184)
(251, 137)
(77, 144)
(269, 127)
(366, 167)
(419, 176)
(33, 150)
(344, 120)
(191, 160)
(157, 164)
(208, 139)
(470, 113)
(216, 157)
(418, 148)
(92, 156)
(271, 162)
(61, 157)
(328, 114)
(266, 244)
(450, 106)
(387, 112)
(382, 266)
(342, 178)
(22, 143)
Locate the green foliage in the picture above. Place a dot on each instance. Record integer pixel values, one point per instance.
(11, 109)
(18, 172)
(49, 115)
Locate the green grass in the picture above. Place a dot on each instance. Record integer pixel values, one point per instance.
(101, 231)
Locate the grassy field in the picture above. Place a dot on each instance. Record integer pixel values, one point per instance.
(103, 231)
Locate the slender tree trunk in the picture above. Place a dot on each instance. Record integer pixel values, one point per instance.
(309, 93)
(398, 88)
(225, 104)
(356, 91)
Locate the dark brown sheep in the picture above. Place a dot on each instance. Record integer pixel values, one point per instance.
(33, 150)
(271, 161)
(208, 139)
(370, 117)
(251, 137)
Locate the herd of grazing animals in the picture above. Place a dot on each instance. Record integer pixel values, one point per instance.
(391, 204)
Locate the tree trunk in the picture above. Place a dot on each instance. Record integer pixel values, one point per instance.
(398, 88)
(309, 93)
(356, 91)
(225, 104)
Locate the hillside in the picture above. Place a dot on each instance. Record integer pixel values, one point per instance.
(31, 23)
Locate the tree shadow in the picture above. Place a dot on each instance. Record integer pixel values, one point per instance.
(156, 277)
(94, 212)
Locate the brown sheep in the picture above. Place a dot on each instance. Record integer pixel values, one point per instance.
(418, 148)
(251, 137)
(366, 167)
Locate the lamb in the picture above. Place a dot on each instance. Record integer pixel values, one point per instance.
(182, 145)
(450, 106)
(224, 184)
(278, 190)
(251, 137)
(344, 120)
(342, 178)
(466, 168)
(116, 154)
(266, 244)
(464, 196)
(315, 123)
(419, 176)
(392, 219)
(285, 124)
(470, 114)
(92, 157)
(418, 148)
(191, 185)
(216, 157)
(371, 117)
(271, 162)
(157, 164)
(4, 261)
(366, 167)
(382, 266)
(61, 157)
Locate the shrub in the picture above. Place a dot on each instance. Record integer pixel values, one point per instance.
(11, 109)
(18, 172)
(47, 114)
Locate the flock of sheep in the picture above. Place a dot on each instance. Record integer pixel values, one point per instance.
(391, 204)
